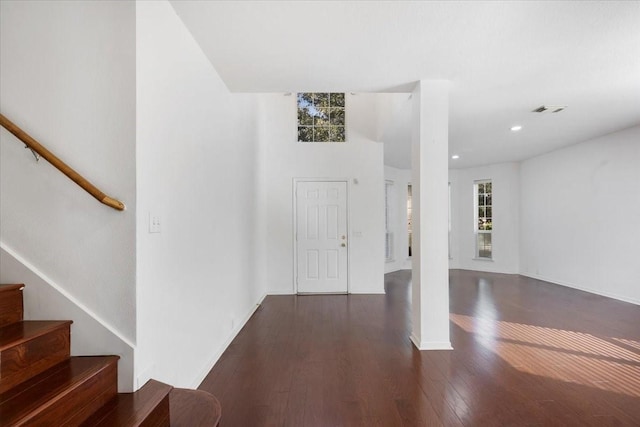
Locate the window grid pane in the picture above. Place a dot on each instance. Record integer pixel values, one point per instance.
(484, 245)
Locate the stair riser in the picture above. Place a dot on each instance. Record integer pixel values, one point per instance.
(147, 407)
(11, 307)
(24, 361)
(77, 405)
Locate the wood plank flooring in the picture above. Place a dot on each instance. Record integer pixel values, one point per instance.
(526, 353)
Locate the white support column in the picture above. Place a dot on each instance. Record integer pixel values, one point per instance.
(429, 181)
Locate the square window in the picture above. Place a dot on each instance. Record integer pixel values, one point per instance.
(321, 117)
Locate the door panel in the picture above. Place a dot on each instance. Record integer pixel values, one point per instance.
(321, 236)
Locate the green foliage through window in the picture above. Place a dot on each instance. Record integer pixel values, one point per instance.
(485, 208)
(321, 117)
(484, 218)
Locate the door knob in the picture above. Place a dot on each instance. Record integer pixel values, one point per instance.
(344, 245)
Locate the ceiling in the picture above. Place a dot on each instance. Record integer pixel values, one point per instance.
(503, 60)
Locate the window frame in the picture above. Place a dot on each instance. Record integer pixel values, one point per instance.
(476, 218)
(449, 221)
(409, 210)
(329, 126)
(388, 220)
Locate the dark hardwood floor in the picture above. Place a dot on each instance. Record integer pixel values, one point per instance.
(526, 353)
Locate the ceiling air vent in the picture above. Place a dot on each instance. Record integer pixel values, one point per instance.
(549, 109)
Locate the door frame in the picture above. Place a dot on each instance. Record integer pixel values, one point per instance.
(294, 198)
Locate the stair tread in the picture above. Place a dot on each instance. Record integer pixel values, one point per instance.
(131, 409)
(50, 386)
(11, 287)
(194, 408)
(25, 330)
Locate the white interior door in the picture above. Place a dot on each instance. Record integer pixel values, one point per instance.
(321, 237)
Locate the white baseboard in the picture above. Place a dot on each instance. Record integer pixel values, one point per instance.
(281, 292)
(350, 293)
(234, 332)
(144, 376)
(430, 345)
(581, 288)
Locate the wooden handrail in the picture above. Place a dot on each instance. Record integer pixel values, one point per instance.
(60, 165)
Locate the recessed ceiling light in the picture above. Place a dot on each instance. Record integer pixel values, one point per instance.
(455, 156)
(516, 128)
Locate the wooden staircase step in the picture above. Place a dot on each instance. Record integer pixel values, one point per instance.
(147, 407)
(27, 330)
(66, 394)
(11, 306)
(28, 348)
(41, 385)
(194, 408)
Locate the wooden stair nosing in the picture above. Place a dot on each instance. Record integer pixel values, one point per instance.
(18, 333)
(48, 392)
(6, 287)
(149, 406)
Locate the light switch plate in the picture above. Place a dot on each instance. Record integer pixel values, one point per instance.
(154, 223)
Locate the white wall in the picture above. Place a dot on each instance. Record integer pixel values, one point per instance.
(198, 172)
(580, 216)
(67, 77)
(360, 158)
(506, 201)
(401, 178)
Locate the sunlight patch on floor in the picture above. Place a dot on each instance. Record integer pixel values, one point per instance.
(559, 354)
(631, 343)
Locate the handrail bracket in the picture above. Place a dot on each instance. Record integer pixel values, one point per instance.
(36, 155)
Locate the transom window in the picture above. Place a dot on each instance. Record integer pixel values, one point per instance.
(321, 117)
(483, 218)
